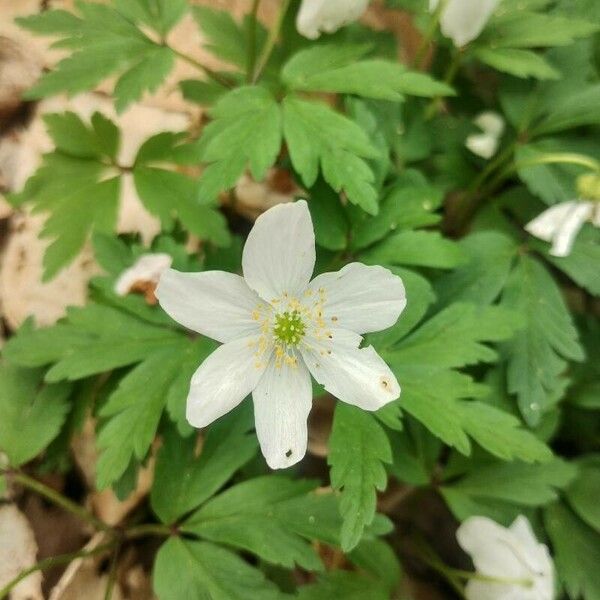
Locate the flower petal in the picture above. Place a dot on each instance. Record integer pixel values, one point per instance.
(316, 16)
(495, 550)
(464, 20)
(282, 401)
(567, 232)
(546, 225)
(361, 298)
(482, 144)
(536, 555)
(484, 590)
(147, 269)
(213, 303)
(490, 122)
(358, 376)
(279, 255)
(223, 380)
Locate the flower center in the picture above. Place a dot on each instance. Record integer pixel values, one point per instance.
(289, 328)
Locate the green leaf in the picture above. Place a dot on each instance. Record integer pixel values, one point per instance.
(133, 413)
(405, 206)
(183, 481)
(482, 277)
(339, 69)
(328, 216)
(192, 569)
(90, 340)
(343, 584)
(205, 93)
(584, 492)
(576, 552)
(455, 337)
(31, 413)
(358, 449)
(379, 559)
(536, 355)
(106, 42)
(168, 194)
(582, 107)
(518, 483)
(246, 131)
(520, 63)
(415, 248)
(317, 136)
(246, 516)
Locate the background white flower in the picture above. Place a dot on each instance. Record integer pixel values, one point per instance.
(506, 553)
(317, 16)
(463, 20)
(278, 327)
(561, 223)
(146, 270)
(485, 144)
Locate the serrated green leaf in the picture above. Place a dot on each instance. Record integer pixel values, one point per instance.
(31, 413)
(186, 568)
(328, 216)
(343, 584)
(517, 62)
(246, 132)
(519, 483)
(160, 15)
(358, 449)
(317, 136)
(415, 248)
(584, 492)
(536, 355)
(183, 481)
(379, 559)
(246, 516)
(576, 552)
(337, 69)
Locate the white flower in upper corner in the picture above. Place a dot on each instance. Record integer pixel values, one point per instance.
(463, 20)
(143, 276)
(278, 327)
(517, 565)
(561, 223)
(485, 144)
(317, 16)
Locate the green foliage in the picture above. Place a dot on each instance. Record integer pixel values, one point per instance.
(358, 449)
(31, 412)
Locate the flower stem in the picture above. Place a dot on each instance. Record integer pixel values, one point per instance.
(426, 40)
(60, 500)
(451, 72)
(216, 77)
(155, 529)
(270, 43)
(251, 51)
(53, 561)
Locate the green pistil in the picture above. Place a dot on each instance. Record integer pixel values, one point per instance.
(289, 328)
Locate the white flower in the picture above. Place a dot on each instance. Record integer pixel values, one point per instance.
(316, 16)
(278, 327)
(521, 565)
(464, 20)
(146, 271)
(561, 223)
(485, 144)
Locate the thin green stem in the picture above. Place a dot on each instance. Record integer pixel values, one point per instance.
(112, 574)
(269, 46)
(451, 72)
(216, 77)
(60, 500)
(251, 50)
(148, 529)
(426, 40)
(54, 561)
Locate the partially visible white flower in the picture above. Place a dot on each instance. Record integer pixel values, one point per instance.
(278, 327)
(143, 275)
(561, 223)
(464, 20)
(511, 555)
(317, 16)
(485, 144)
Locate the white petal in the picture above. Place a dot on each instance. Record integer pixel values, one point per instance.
(596, 214)
(490, 122)
(482, 144)
(316, 16)
(567, 232)
(433, 4)
(546, 225)
(223, 380)
(279, 255)
(484, 590)
(213, 303)
(358, 376)
(148, 268)
(494, 549)
(361, 298)
(464, 20)
(282, 401)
